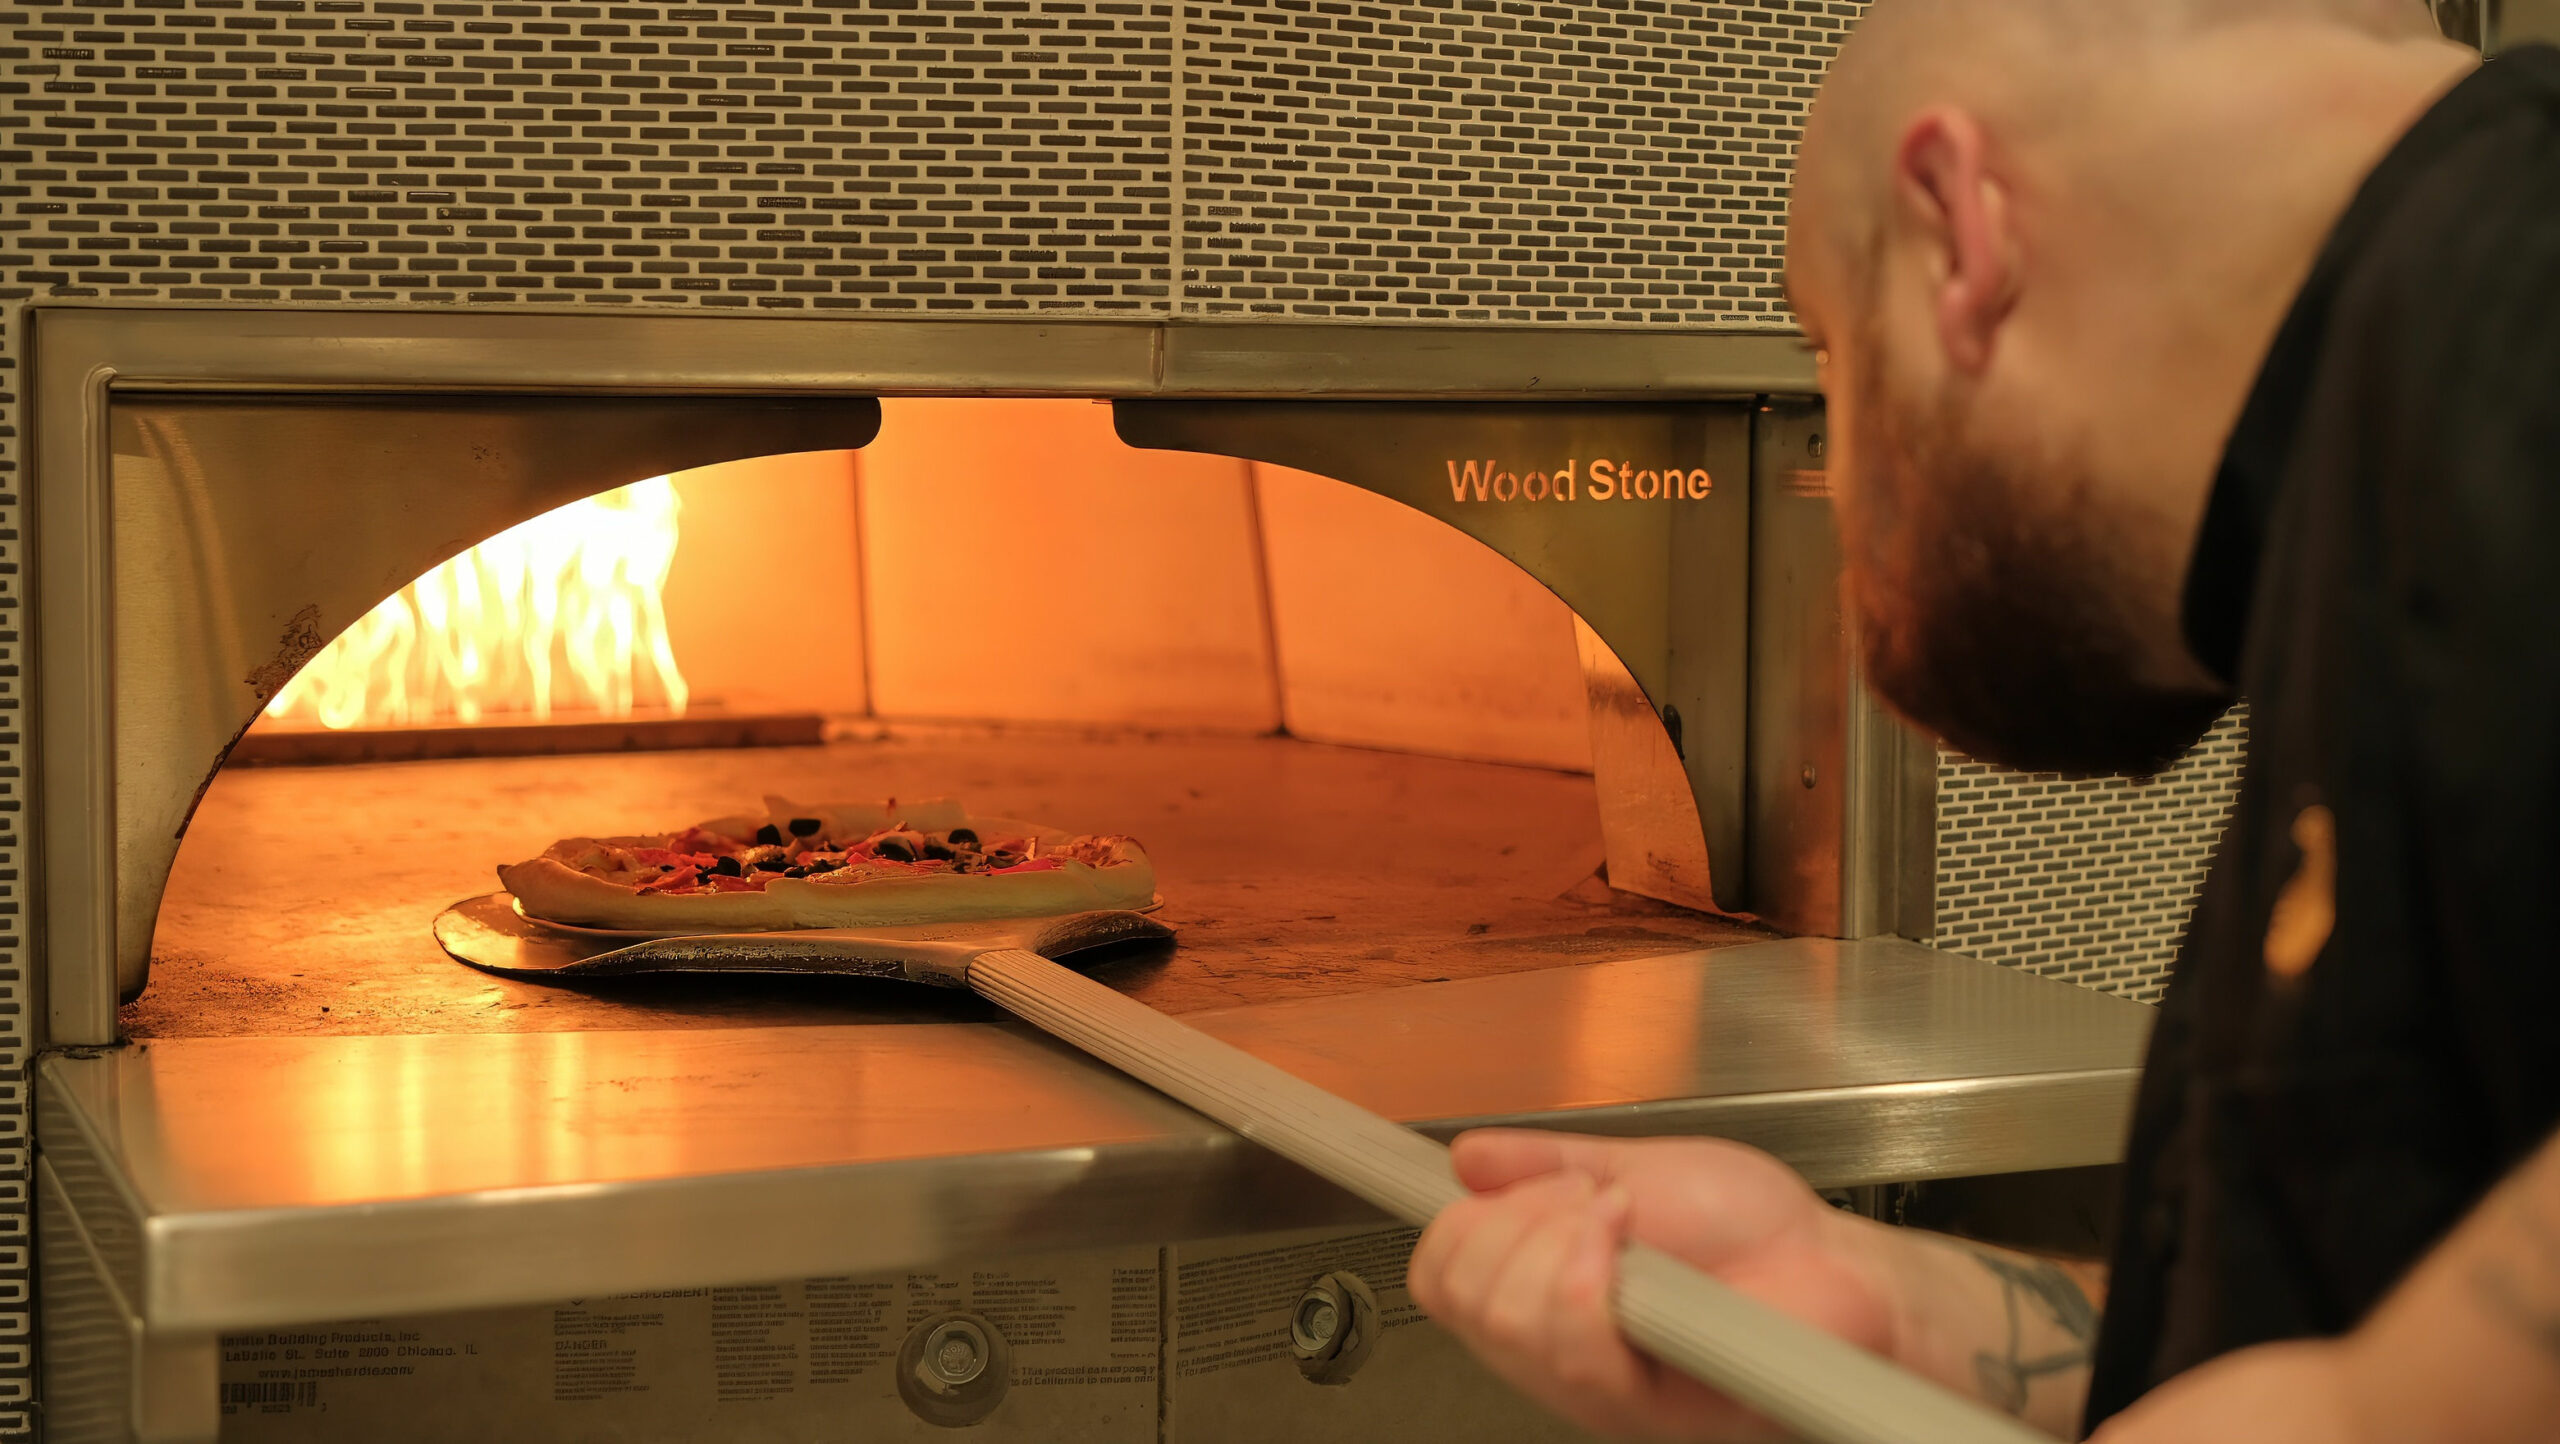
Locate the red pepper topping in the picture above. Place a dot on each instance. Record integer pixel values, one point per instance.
(1037, 864)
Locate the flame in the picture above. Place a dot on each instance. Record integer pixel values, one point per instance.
(563, 611)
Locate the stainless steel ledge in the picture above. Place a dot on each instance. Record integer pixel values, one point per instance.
(230, 1183)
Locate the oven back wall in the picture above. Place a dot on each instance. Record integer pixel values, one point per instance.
(1013, 561)
(764, 594)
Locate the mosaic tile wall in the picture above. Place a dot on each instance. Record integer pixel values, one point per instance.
(17, 1239)
(1608, 164)
(2089, 881)
(1622, 164)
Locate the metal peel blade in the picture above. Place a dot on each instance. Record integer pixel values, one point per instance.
(489, 934)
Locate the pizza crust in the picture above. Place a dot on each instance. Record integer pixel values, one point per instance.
(550, 889)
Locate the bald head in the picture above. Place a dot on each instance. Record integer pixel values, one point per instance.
(2042, 245)
(1908, 45)
(1911, 27)
(2033, 65)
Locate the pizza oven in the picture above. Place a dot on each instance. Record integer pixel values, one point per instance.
(584, 420)
(1004, 535)
(1299, 607)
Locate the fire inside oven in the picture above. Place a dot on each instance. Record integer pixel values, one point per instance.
(1357, 743)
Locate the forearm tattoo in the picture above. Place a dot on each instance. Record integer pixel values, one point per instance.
(2035, 1291)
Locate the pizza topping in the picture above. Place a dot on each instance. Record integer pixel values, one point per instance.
(842, 847)
(811, 864)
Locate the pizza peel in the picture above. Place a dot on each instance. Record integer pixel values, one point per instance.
(491, 935)
(1820, 1387)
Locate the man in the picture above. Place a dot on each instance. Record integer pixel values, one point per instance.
(2180, 350)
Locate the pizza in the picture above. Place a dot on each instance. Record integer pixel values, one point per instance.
(835, 865)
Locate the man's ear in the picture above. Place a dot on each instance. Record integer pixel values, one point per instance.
(1960, 213)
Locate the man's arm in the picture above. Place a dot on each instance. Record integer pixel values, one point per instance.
(1521, 1272)
(2011, 1329)
(2465, 1351)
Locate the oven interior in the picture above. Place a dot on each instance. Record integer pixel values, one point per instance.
(1365, 747)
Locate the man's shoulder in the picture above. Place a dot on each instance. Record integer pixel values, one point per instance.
(2436, 396)
(2453, 295)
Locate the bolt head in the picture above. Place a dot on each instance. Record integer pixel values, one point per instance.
(1319, 1320)
(1317, 1326)
(956, 1352)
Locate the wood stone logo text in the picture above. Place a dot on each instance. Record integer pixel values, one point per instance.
(1577, 480)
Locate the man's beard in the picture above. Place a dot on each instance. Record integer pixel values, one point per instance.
(1991, 608)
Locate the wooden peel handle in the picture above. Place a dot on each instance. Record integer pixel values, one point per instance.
(1819, 1386)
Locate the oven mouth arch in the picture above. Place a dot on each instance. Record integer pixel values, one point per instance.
(91, 360)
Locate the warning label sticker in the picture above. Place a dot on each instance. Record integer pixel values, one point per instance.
(812, 1359)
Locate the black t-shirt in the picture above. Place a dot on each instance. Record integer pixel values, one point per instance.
(2379, 574)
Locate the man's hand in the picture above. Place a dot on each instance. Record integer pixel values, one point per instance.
(1522, 1271)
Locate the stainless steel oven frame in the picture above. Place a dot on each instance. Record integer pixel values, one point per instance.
(1817, 805)
(1833, 838)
